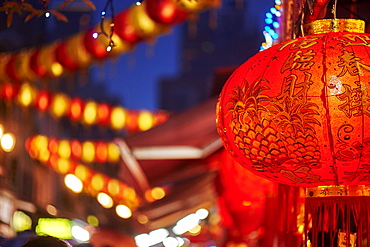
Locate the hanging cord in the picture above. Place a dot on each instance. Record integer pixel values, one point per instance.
(111, 25)
(334, 9)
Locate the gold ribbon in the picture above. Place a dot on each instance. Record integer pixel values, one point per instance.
(341, 190)
(334, 25)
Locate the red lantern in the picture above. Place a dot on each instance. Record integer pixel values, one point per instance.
(124, 28)
(62, 57)
(10, 68)
(77, 106)
(165, 12)
(9, 91)
(43, 100)
(93, 46)
(297, 112)
(104, 111)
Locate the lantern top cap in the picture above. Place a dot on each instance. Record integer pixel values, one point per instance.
(334, 25)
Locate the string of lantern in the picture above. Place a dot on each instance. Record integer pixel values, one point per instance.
(78, 177)
(86, 112)
(138, 23)
(44, 147)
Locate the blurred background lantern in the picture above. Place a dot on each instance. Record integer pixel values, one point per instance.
(43, 99)
(124, 28)
(165, 12)
(296, 114)
(143, 24)
(60, 105)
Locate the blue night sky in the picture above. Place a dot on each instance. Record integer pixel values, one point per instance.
(133, 77)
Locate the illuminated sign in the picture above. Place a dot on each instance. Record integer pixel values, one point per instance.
(57, 227)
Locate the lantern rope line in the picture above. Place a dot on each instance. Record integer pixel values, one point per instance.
(111, 44)
(17, 92)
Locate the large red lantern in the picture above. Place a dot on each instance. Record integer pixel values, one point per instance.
(297, 113)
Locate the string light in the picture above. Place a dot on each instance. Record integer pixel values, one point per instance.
(47, 14)
(111, 26)
(272, 24)
(138, 2)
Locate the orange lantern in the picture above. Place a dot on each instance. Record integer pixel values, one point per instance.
(104, 112)
(76, 148)
(77, 107)
(296, 114)
(101, 152)
(43, 100)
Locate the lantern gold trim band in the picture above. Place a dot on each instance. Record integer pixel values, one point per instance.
(341, 190)
(334, 25)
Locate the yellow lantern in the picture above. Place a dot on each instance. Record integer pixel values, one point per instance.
(88, 151)
(90, 113)
(113, 153)
(64, 149)
(97, 182)
(26, 95)
(113, 187)
(60, 105)
(118, 118)
(145, 120)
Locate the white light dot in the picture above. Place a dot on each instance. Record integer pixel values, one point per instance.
(47, 14)
(105, 200)
(7, 142)
(73, 183)
(123, 211)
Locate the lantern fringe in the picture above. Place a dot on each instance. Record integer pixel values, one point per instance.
(328, 217)
(284, 216)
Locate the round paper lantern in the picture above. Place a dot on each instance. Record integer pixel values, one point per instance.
(26, 95)
(124, 28)
(297, 113)
(60, 105)
(43, 100)
(9, 91)
(62, 57)
(93, 46)
(104, 111)
(145, 26)
(10, 68)
(101, 152)
(90, 112)
(77, 107)
(22, 66)
(165, 12)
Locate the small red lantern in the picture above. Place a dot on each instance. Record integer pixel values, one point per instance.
(296, 114)
(77, 107)
(165, 12)
(125, 29)
(62, 57)
(43, 100)
(104, 111)
(9, 91)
